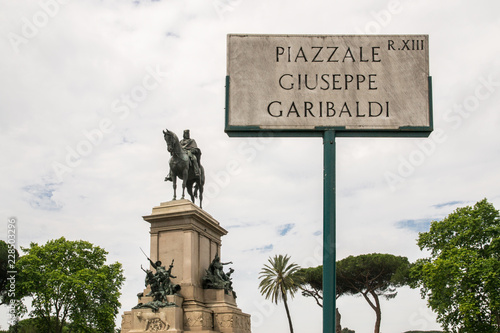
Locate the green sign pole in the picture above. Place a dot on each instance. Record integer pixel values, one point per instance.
(329, 245)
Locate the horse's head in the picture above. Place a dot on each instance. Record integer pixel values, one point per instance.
(166, 133)
(170, 138)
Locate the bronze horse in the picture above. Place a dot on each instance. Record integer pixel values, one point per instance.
(181, 167)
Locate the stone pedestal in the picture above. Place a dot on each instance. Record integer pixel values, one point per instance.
(182, 232)
(228, 318)
(167, 319)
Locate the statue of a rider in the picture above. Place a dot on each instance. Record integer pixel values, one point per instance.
(193, 152)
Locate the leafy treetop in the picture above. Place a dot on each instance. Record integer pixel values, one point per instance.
(461, 278)
(69, 281)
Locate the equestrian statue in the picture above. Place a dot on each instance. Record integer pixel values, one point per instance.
(185, 164)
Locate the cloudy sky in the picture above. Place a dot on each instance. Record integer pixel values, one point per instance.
(88, 86)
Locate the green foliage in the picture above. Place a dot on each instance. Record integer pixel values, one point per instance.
(380, 273)
(313, 276)
(33, 325)
(277, 278)
(372, 275)
(461, 278)
(278, 281)
(310, 281)
(69, 282)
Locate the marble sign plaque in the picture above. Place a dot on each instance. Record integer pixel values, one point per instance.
(308, 82)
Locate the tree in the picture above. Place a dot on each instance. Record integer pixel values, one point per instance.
(310, 281)
(29, 325)
(461, 278)
(278, 281)
(69, 283)
(372, 275)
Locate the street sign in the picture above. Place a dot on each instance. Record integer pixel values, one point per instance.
(328, 86)
(306, 83)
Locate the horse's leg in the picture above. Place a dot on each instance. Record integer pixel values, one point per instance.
(199, 185)
(190, 190)
(184, 181)
(183, 187)
(201, 196)
(174, 181)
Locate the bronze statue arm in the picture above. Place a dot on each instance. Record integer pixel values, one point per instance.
(153, 264)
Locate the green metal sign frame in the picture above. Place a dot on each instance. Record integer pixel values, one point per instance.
(329, 183)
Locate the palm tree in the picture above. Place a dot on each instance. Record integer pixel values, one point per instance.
(278, 281)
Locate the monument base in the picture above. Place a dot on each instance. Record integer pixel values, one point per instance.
(187, 236)
(166, 320)
(217, 314)
(228, 318)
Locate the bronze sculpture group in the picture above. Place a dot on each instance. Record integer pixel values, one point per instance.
(161, 286)
(216, 278)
